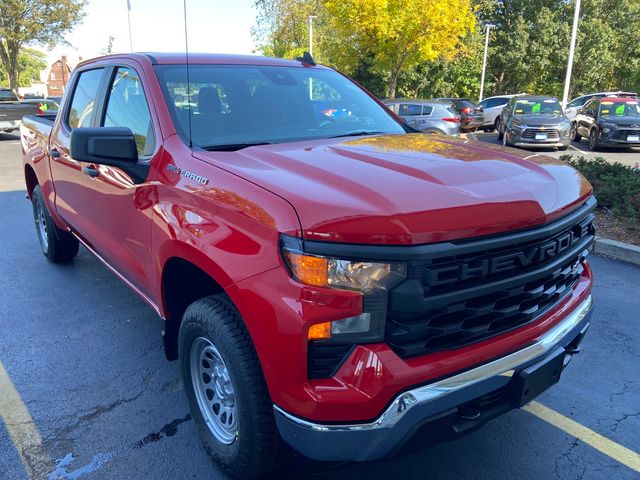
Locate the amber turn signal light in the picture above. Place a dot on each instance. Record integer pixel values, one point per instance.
(308, 269)
(320, 331)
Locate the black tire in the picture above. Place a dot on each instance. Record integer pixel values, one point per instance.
(575, 136)
(500, 134)
(256, 448)
(594, 144)
(564, 148)
(56, 244)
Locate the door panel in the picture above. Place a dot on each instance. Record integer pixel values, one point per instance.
(69, 182)
(121, 209)
(112, 211)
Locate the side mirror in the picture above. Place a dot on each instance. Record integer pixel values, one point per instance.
(104, 145)
(480, 109)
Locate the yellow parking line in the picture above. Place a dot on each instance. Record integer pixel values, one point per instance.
(22, 429)
(610, 448)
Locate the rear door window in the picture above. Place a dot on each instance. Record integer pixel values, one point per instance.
(496, 102)
(82, 112)
(410, 109)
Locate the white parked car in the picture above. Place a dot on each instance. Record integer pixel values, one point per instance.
(576, 104)
(492, 108)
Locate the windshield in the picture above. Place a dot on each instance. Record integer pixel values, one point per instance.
(7, 96)
(548, 106)
(241, 105)
(619, 109)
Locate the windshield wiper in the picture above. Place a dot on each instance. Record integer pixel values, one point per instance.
(232, 147)
(358, 133)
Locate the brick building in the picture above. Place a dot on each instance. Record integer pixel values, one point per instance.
(58, 77)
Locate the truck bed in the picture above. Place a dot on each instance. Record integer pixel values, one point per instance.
(34, 133)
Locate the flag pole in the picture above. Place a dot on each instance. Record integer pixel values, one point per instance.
(129, 20)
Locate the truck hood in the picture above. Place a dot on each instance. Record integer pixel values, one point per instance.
(408, 189)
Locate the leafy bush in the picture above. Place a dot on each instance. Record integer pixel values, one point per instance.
(616, 186)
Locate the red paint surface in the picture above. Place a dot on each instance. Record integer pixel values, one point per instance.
(402, 189)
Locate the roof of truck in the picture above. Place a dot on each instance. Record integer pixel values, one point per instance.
(165, 58)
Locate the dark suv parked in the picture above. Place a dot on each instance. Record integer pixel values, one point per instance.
(471, 117)
(609, 121)
(534, 121)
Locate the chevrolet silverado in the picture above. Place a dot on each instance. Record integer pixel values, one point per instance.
(329, 279)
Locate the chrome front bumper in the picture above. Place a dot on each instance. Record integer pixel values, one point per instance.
(421, 405)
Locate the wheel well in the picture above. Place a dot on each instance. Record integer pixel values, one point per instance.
(30, 179)
(182, 284)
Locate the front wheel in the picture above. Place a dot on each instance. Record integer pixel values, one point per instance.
(226, 390)
(575, 136)
(500, 134)
(56, 244)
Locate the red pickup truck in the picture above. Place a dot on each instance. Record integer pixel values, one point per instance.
(328, 278)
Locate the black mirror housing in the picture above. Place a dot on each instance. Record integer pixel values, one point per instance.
(104, 145)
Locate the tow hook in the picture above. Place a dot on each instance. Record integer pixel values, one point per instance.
(574, 347)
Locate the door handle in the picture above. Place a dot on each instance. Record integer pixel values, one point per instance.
(91, 171)
(54, 153)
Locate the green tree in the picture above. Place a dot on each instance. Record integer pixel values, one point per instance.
(400, 34)
(25, 22)
(372, 40)
(607, 55)
(458, 77)
(30, 63)
(530, 45)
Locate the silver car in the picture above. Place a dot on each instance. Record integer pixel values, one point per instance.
(429, 116)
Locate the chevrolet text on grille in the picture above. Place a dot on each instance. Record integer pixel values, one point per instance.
(532, 255)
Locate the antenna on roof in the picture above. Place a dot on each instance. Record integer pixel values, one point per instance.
(307, 58)
(186, 51)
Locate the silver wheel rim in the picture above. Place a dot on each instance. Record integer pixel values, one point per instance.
(41, 226)
(214, 391)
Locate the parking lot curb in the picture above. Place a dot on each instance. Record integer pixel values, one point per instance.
(617, 250)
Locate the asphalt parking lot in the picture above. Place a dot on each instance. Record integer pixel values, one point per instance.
(629, 156)
(85, 391)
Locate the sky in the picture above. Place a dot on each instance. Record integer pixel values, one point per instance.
(158, 25)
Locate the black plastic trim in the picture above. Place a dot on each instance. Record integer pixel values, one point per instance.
(420, 302)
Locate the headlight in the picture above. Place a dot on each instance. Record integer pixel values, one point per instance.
(371, 279)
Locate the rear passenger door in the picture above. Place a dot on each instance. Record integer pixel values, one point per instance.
(111, 207)
(586, 118)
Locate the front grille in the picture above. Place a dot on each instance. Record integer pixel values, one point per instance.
(458, 324)
(623, 134)
(530, 133)
(471, 290)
